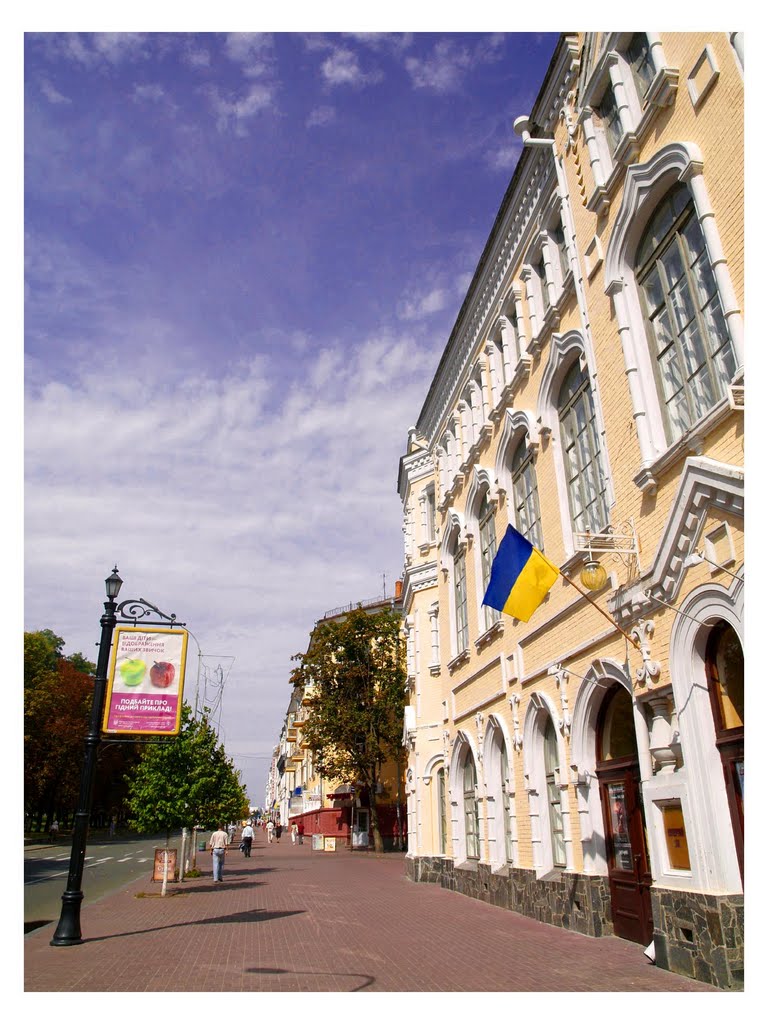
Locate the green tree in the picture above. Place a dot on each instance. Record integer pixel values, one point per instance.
(184, 781)
(354, 676)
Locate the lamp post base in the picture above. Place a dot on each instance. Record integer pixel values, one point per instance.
(68, 932)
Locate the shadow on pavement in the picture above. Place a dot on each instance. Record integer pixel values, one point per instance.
(369, 979)
(245, 917)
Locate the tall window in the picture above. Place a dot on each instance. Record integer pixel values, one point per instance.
(610, 120)
(692, 351)
(553, 796)
(639, 58)
(441, 811)
(541, 273)
(487, 554)
(460, 601)
(558, 237)
(471, 810)
(725, 676)
(506, 801)
(582, 455)
(525, 495)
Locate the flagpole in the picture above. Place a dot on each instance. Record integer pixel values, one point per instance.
(601, 610)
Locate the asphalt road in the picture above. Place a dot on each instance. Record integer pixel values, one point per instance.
(109, 865)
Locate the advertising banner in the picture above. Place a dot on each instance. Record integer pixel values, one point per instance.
(146, 681)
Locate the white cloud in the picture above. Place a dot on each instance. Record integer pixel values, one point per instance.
(236, 111)
(148, 92)
(343, 68)
(419, 307)
(99, 48)
(253, 51)
(445, 69)
(247, 505)
(321, 116)
(52, 94)
(504, 158)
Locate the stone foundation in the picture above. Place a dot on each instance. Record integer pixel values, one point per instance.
(696, 935)
(700, 936)
(580, 903)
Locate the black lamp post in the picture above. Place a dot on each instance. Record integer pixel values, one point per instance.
(68, 931)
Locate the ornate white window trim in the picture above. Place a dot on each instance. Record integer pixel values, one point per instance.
(645, 186)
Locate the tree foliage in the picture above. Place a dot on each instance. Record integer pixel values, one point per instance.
(353, 676)
(185, 781)
(58, 693)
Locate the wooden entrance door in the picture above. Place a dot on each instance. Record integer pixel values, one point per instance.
(628, 875)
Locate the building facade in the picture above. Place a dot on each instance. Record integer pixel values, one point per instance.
(329, 807)
(582, 771)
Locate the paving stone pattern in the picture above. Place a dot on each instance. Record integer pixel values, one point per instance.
(290, 919)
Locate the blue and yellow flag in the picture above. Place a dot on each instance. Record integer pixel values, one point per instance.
(521, 577)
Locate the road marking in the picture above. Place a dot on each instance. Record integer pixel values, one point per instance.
(124, 859)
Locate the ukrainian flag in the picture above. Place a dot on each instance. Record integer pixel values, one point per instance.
(521, 577)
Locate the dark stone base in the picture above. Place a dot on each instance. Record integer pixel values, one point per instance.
(700, 936)
(580, 903)
(696, 935)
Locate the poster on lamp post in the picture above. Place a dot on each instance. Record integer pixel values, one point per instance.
(146, 681)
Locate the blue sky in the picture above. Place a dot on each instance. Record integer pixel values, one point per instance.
(243, 257)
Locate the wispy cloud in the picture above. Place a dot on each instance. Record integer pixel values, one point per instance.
(422, 306)
(52, 94)
(321, 116)
(444, 70)
(252, 51)
(342, 67)
(235, 112)
(98, 49)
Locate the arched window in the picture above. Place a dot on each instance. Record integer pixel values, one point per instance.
(460, 599)
(506, 801)
(553, 795)
(525, 495)
(725, 677)
(691, 349)
(471, 810)
(442, 823)
(582, 454)
(487, 553)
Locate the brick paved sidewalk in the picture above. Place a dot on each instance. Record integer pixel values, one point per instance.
(290, 919)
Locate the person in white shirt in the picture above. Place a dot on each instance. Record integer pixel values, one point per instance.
(246, 839)
(270, 830)
(218, 844)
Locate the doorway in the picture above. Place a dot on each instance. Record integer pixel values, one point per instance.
(618, 774)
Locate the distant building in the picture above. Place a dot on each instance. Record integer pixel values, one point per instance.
(326, 806)
(591, 394)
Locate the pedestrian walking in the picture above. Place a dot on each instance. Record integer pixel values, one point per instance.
(53, 831)
(300, 830)
(270, 830)
(219, 842)
(294, 833)
(112, 826)
(231, 831)
(247, 839)
(278, 832)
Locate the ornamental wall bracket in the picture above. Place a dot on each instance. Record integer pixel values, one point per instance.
(650, 670)
(480, 723)
(517, 736)
(561, 678)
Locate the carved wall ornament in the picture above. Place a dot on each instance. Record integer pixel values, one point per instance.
(561, 678)
(517, 736)
(650, 669)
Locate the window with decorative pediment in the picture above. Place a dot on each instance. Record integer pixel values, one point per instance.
(460, 600)
(487, 531)
(525, 495)
(691, 348)
(586, 479)
(471, 809)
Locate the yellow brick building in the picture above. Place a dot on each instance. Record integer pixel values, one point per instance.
(591, 395)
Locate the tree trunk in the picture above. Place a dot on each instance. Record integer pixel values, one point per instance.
(378, 843)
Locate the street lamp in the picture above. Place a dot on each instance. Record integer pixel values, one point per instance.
(68, 931)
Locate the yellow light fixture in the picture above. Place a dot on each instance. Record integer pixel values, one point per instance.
(593, 576)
